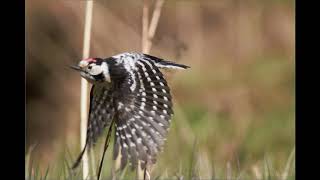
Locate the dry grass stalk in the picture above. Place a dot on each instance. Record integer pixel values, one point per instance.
(153, 24)
(145, 21)
(229, 171)
(256, 171)
(148, 33)
(84, 88)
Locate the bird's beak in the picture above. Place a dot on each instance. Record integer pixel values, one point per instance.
(77, 68)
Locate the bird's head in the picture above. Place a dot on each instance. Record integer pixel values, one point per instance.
(94, 70)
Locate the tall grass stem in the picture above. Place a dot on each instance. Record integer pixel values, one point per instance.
(147, 35)
(145, 21)
(84, 88)
(153, 24)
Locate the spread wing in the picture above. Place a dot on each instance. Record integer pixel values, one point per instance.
(101, 113)
(143, 115)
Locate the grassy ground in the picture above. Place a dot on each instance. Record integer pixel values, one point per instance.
(239, 130)
(194, 168)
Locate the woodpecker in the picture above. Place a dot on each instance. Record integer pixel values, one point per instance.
(130, 90)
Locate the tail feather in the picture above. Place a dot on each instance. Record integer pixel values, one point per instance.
(161, 63)
(172, 65)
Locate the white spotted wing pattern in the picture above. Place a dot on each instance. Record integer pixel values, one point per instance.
(137, 98)
(101, 112)
(143, 116)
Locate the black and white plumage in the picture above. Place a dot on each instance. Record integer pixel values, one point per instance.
(129, 89)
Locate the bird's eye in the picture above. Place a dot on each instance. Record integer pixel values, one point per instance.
(89, 67)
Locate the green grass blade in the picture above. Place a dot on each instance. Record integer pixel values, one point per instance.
(46, 174)
(30, 166)
(123, 173)
(288, 165)
(30, 170)
(267, 174)
(36, 173)
(193, 159)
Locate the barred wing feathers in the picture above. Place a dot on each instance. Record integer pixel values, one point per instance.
(143, 117)
(101, 113)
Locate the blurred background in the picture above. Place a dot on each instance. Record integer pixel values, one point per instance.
(234, 107)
